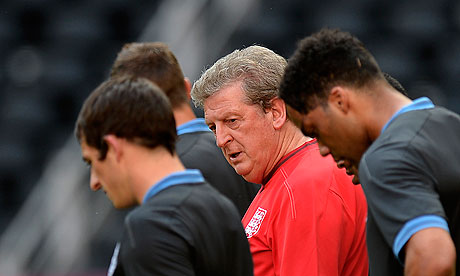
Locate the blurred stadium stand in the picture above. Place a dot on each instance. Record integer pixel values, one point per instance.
(55, 53)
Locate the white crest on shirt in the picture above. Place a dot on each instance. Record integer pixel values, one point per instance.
(254, 224)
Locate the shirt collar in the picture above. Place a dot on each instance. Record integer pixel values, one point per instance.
(195, 125)
(286, 158)
(420, 103)
(188, 176)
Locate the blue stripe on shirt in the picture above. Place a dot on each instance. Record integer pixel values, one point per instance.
(413, 226)
(195, 125)
(420, 103)
(183, 177)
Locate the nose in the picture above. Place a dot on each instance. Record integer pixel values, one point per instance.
(323, 149)
(94, 183)
(222, 137)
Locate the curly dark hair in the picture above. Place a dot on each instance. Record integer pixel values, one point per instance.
(323, 60)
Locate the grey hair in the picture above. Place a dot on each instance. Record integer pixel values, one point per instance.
(260, 70)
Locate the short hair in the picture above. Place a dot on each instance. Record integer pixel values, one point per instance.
(395, 84)
(260, 70)
(127, 107)
(322, 60)
(155, 62)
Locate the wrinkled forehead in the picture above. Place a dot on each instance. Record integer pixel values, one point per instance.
(229, 94)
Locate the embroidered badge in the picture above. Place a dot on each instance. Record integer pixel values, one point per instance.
(254, 225)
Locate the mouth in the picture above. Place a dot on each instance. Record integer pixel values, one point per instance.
(233, 157)
(350, 170)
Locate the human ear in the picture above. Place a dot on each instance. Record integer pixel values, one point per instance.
(278, 110)
(188, 87)
(115, 144)
(339, 98)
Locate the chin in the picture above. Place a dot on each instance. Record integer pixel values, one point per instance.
(123, 205)
(252, 179)
(355, 179)
(249, 175)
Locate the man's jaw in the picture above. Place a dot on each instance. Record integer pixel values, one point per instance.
(350, 170)
(355, 179)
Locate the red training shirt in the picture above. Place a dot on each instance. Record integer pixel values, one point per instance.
(308, 219)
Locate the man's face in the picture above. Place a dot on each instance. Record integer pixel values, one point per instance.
(243, 131)
(105, 175)
(338, 134)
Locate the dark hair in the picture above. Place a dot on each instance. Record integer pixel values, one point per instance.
(327, 58)
(155, 62)
(395, 84)
(128, 107)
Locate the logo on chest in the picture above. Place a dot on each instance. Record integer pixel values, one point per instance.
(254, 224)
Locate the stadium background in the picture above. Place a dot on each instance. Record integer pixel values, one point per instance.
(53, 53)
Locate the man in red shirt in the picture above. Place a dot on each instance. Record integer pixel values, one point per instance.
(308, 218)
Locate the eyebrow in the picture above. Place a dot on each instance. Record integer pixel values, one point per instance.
(86, 160)
(225, 114)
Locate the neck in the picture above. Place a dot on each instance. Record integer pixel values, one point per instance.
(183, 114)
(377, 109)
(290, 138)
(293, 138)
(144, 169)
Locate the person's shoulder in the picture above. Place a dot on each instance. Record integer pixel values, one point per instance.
(205, 136)
(165, 208)
(142, 221)
(178, 196)
(142, 213)
(309, 173)
(202, 202)
(312, 165)
(445, 112)
(202, 153)
(200, 145)
(409, 124)
(206, 192)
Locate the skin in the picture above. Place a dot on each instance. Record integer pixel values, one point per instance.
(106, 175)
(441, 256)
(129, 169)
(184, 113)
(252, 140)
(345, 127)
(296, 118)
(339, 130)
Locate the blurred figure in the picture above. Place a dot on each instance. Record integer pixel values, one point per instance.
(308, 218)
(183, 226)
(407, 151)
(196, 145)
